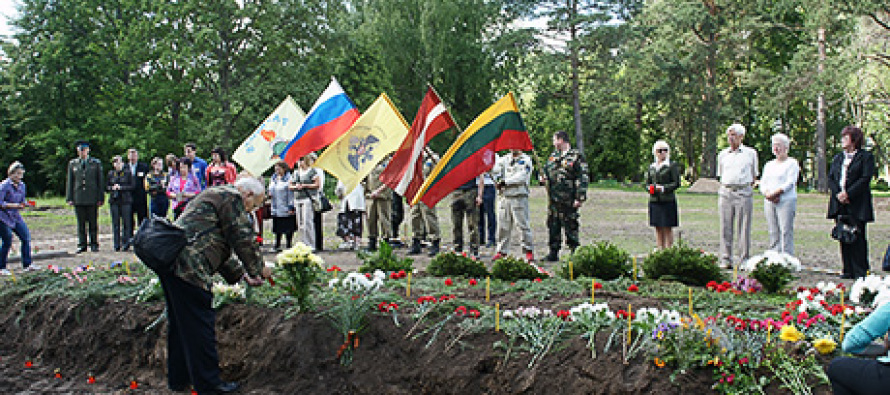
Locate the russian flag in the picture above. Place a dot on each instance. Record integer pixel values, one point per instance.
(331, 116)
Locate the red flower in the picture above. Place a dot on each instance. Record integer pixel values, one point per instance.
(354, 297)
(335, 268)
(802, 316)
(448, 282)
(564, 314)
(474, 313)
(633, 288)
(402, 274)
(133, 385)
(597, 285)
(91, 380)
(394, 276)
(462, 310)
(29, 364)
(743, 361)
(730, 378)
(473, 282)
(426, 299)
(712, 285)
(537, 280)
(383, 306)
(368, 275)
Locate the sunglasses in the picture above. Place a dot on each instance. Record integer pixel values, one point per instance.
(660, 150)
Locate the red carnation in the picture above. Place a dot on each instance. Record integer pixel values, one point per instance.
(448, 282)
(597, 285)
(473, 282)
(633, 288)
(565, 315)
(474, 313)
(402, 274)
(462, 310)
(537, 280)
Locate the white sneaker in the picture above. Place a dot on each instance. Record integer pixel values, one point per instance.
(4, 272)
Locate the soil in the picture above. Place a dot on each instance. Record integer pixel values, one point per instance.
(271, 354)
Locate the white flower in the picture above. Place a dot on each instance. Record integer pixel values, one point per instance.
(333, 282)
(771, 257)
(882, 297)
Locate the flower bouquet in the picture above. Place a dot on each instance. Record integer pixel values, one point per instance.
(772, 269)
(301, 268)
(224, 294)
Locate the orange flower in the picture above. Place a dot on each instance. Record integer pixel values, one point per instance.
(659, 362)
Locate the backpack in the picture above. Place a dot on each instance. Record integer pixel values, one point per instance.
(158, 243)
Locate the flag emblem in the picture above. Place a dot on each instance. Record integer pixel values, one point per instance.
(361, 150)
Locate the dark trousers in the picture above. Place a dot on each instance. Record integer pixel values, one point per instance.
(121, 213)
(87, 217)
(160, 206)
(191, 336)
(858, 376)
(139, 209)
(855, 255)
(486, 213)
(319, 240)
(398, 214)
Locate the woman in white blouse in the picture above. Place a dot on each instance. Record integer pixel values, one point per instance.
(778, 184)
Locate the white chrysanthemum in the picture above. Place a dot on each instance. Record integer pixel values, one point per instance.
(771, 257)
(333, 282)
(870, 283)
(882, 297)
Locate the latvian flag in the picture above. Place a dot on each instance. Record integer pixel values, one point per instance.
(404, 174)
(498, 128)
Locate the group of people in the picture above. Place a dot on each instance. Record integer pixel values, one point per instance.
(850, 200)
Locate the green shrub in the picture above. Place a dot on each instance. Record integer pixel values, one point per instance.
(602, 260)
(451, 264)
(773, 276)
(512, 269)
(385, 260)
(681, 263)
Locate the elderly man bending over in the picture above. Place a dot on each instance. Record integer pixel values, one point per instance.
(221, 211)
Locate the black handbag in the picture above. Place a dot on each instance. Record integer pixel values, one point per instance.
(886, 264)
(845, 230)
(158, 243)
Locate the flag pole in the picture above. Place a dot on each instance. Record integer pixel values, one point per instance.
(460, 130)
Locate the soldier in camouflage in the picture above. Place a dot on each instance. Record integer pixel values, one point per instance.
(378, 198)
(424, 222)
(192, 359)
(465, 201)
(565, 176)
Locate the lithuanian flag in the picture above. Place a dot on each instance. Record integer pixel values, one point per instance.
(498, 128)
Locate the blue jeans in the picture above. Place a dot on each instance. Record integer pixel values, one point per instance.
(21, 230)
(487, 215)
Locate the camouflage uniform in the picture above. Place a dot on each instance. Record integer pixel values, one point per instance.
(192, 357)
(380, 208)
(566, 177)
(511, 173)
(220, 207)
(463, 204)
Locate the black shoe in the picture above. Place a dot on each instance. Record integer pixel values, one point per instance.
(80, 250)
(179, 388)
(116, 249)
(94, 248)
(553, 256)
(434, 248)
(372, 244)
(415, 247)
(126, 246)
(228, 388)
(458, 247)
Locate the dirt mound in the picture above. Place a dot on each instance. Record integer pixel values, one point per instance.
(271, 354)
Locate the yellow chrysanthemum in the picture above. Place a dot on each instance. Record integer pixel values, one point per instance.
(825, 346)
(789, 333)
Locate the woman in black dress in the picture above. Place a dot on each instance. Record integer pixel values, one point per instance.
(662, 179)
(849, 179)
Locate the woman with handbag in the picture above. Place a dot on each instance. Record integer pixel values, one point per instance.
(662, 179)
(119, 184)
(183, 186)
(305, 183)
(850, 203)
(156, 185)
(284, 219)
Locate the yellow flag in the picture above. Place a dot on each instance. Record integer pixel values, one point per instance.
(263, 147)
(378, 132)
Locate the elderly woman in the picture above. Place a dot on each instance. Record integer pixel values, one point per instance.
(778, 184)
(850, 202)
(662, 179)
(12, 199)
(284, 219)
(305, 183)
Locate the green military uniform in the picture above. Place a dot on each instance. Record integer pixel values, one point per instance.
(85, 190)
(380, 208)
(463, 205)
(424, 222)
(566, 176)
(222, 209)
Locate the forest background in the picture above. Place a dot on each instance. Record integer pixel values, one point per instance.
(617, 75)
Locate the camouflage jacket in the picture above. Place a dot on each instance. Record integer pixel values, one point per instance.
(222, 209)
(566, 176)
(372, 182)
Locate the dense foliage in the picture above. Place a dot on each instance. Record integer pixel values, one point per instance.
(602, 260)
(682, 263)
(385, 260)
(450, 264)
(511, 269)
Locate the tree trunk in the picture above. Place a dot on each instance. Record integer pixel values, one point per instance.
(709, 149)
(821, 171)
(576, 85)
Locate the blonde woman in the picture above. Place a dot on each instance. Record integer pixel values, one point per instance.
(662, 179)
(778, 184)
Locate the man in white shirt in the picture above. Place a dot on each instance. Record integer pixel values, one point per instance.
(737, 171)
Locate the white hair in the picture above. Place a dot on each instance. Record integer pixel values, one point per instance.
(738, 128)
(781, 138)
(658, 145)
(250, 184)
